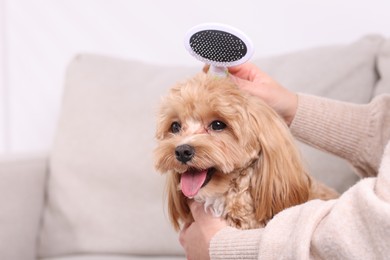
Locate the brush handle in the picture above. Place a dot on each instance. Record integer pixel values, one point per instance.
(218, 71)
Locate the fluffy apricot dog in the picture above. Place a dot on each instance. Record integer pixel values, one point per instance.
(228, 149)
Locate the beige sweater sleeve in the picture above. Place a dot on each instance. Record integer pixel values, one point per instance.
(355, 226)
(357, 133)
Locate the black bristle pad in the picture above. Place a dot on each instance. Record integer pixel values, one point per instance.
(218, 46)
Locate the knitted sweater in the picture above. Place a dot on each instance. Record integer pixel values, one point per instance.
(354, 226)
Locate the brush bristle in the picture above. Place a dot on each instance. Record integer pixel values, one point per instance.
(218, 46)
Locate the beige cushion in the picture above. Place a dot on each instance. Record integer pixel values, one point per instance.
(344, 72)
(22, 186)
(112, 257)
(383, 67)
(103, 194)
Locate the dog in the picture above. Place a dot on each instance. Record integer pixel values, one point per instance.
(229, 150)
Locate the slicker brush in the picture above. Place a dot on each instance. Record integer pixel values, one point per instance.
(221, 46)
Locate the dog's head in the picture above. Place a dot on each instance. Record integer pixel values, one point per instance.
(209, 132)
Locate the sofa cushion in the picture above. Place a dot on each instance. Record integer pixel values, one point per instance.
(383, 67)
(103, 194)
(22, 187)
(113, 257)
(344, 72)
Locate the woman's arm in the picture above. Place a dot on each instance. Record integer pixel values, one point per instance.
(355, 226)
(357, 133)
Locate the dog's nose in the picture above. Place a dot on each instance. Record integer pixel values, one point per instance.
(184, 153)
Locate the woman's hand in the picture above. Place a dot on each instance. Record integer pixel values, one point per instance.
(250, 78)
(195, 237)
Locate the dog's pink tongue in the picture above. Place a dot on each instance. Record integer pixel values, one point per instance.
(191, 182)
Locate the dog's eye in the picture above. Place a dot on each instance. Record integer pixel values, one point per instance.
(175, 127)
(217, 125)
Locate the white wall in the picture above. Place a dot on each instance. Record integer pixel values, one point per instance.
(3, 93)
(38, 38)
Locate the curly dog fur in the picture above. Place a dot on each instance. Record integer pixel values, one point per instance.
(228, 149)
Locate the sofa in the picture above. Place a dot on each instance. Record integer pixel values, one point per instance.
(95, 194)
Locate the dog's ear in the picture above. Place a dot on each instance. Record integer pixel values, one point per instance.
(178, 210)
(280, 180)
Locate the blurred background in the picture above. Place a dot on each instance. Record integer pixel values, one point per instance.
(39, 38)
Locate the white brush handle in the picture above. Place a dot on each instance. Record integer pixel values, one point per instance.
(218, 71)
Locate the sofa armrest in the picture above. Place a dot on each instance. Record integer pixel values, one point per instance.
(22, 189)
